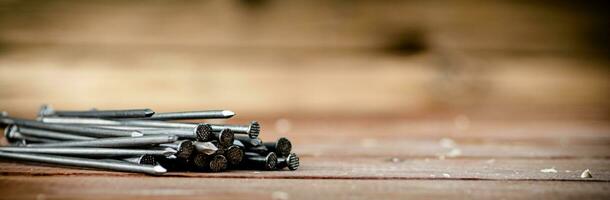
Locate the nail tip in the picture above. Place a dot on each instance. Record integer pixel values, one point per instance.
(228, 113)
(148, 112)
(136, 134)
(158, 170)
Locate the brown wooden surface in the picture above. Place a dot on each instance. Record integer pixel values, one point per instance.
(392, 99)
(404, 158)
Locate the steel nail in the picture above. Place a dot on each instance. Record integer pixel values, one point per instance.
(256, 161)
(114, 142)
(206, 114)
(291, 161)
(252, 129)
(85, 162)
(214, 163)
(49, 134)
(13, 136)
(225, 137)
(234, 155)
(80, 130)
(202, 132)
(127, 113)
(249, 142)
(142, 160)
(90, 152)
(281, 147)
(184, 148)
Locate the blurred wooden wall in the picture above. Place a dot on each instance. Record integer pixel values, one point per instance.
(307, 58)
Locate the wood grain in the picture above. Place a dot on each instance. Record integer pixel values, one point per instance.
(77, 187)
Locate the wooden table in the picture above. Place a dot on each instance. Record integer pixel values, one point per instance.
(371, 159)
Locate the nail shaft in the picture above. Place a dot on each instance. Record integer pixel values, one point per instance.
(114, 142)
(202, 132)
(89, 152)
(207, 114)
(50, 134)
(252, 129)
(131, 113)
(80, 130)
(16, 136)
(282, 147)
(84, 162)
(142, 160)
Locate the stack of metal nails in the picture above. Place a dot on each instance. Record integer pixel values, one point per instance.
(140, 140)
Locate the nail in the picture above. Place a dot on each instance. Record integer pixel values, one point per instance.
(234, 155)
(84, 162)
(252, 129)
(80, 130)
(291, 161)
(13, 136)
(183, 133)
(142, 160)
(184, 148)
(90, 152)
(225, 137)
(180, 132)
(202, 132)
(207, 114)
(256, 161)
(258, 149)
(114, 142)
(48, 134)
(249, 142)
(205, 147)
(281, 147)
(214, 163)
(128, 113)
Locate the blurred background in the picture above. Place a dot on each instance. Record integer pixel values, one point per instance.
(316, 59)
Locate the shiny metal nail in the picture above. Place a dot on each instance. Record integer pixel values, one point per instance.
(80, 130)
(142, 160)
(252, 129)
(202, 132)
(207, 114)
(85, 162)
(49, 134)
(13, 136)
(113, 142)
(90, 152)
(127, 113)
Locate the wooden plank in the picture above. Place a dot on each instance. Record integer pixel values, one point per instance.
(337, 84)
(379, 168)
(77, 187)
(303, 24)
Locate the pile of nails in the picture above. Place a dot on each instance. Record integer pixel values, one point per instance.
(140, 140)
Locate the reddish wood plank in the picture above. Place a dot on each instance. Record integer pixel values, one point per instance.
(78, 187)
